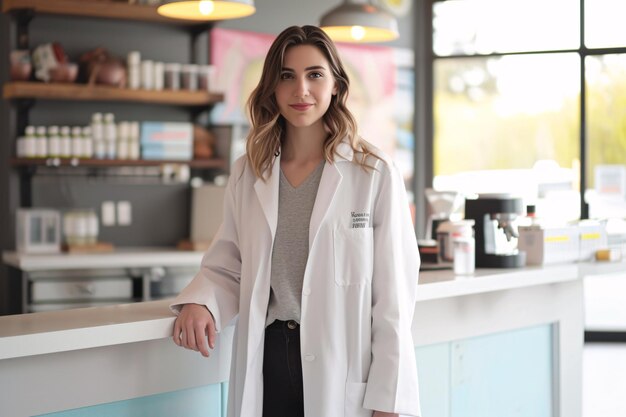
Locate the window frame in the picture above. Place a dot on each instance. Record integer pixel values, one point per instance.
(425, 58)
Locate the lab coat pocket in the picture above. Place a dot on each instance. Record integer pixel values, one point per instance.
(354, 255)
(355, 394)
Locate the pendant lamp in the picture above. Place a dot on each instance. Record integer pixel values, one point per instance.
(206, 9)
(359, 23)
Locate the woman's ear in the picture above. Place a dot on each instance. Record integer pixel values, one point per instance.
(335, 89)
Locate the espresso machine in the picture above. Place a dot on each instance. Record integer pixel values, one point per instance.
(495, 230)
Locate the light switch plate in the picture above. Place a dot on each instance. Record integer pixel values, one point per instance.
(108, 213)
(124, 213)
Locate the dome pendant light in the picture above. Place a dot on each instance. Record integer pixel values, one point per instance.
(206, 9)
(359, 23)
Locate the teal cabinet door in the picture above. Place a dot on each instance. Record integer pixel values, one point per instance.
(508, 374)
(433, 372)
(195, 402)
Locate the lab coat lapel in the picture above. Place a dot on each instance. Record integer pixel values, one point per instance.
(329, 184)
(267, 193)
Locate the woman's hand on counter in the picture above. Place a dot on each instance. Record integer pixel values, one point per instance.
(193, 327)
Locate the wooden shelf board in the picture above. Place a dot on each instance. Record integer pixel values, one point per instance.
(110, 163)
(60, 91)
(95, 8)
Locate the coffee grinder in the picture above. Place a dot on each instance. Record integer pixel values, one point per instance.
(495, 232)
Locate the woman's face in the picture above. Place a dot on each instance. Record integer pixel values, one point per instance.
(305, 87)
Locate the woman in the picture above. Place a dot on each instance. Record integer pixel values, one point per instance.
(316, 256)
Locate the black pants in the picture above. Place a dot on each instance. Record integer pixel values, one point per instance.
(282, 371)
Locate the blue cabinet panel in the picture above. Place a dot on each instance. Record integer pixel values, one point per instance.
(433, 371)
(506, 374)
(195, 402)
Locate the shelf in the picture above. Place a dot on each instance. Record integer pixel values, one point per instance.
(99, 9)
(82, 92)
(214, 163)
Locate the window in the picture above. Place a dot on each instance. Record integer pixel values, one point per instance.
(508, 107)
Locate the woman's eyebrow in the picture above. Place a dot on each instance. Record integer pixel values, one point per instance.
(314, 67)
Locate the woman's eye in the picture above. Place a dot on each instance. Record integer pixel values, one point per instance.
(286, 76)
(316, 75)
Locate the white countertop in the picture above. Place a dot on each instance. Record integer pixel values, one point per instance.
(119, 258)
(50, 332)
(83, 328)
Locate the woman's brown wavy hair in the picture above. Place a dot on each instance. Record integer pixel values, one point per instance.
(267, 124)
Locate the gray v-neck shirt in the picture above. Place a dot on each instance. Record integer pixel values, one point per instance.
(291, 246)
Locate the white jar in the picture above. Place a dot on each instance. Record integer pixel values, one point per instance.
(77, 142)
(41, 142)
(54, 142)
(30, 143)
(171, 76)
(147, 75)
(134, 70)
(87, 143)
(206, 75)
(464, 249)
(66, 142)
(159, 71)
(97, 128)
(447, 232)
(189, 77)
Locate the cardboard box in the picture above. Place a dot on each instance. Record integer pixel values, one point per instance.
(547, 246)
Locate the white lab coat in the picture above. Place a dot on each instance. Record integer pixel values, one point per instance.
(358, 294)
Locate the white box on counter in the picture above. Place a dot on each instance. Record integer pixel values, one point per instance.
(593, 237)
(547, 246)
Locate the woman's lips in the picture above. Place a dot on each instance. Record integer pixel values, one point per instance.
(300, 106)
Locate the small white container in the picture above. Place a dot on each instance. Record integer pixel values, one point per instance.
(66, 142)
(30, 143)
(206, 74)
(450, 230)
(189, 77)
(41, 142)
(77, 142)
(464, 252)
(54, 142)
(159, 73)
(171, 76)
(20, 147)
(87, 143)
(134, 70)
(97, 128)
(147, 75)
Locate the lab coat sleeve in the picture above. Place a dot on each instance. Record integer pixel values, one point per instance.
(216, 285)
(392, 381)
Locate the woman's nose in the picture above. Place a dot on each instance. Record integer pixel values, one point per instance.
(301, 88)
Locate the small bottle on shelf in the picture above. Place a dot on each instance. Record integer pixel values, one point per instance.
(159, 71)
(30, 143)
(77, 142)
(41, 142)
(87, 143)
(134, 148)
(110, 136)
(54, 142)
(123, 134)
(147, 74)
(66, 142)
(134, 70)
(20, 147)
